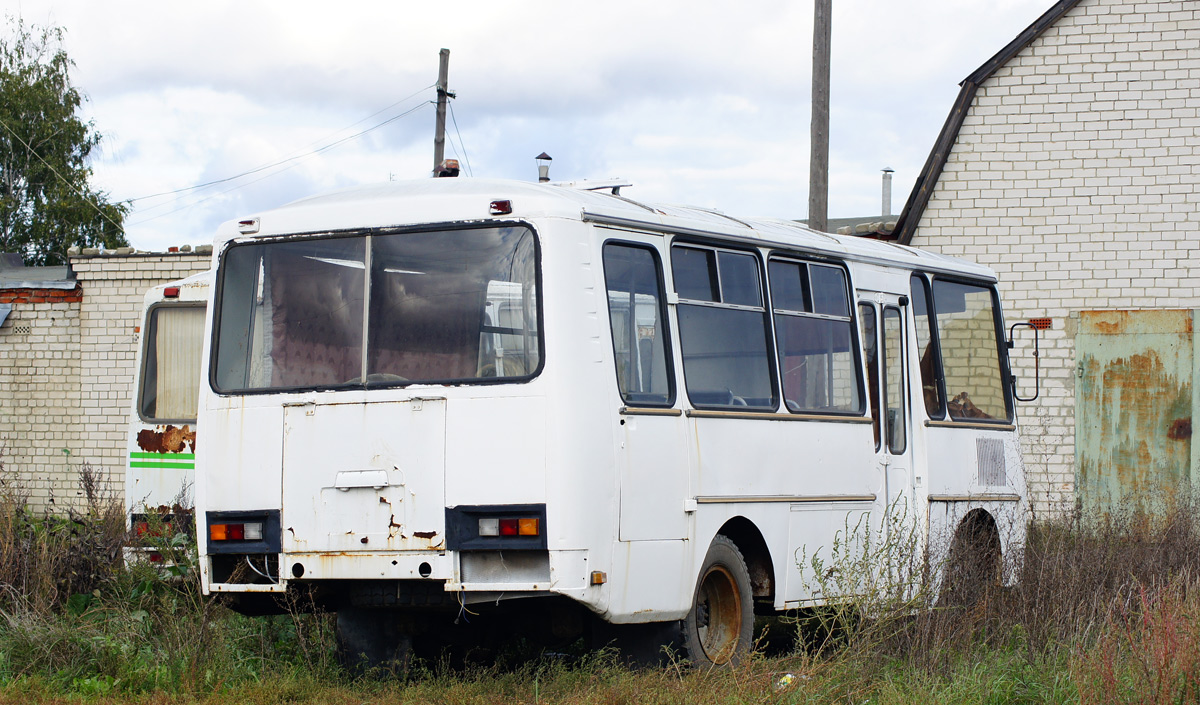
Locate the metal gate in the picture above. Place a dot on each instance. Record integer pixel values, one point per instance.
(1133, 407)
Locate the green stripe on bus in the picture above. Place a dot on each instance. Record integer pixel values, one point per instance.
(163, 464)
(167, 456)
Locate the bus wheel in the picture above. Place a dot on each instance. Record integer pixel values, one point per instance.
(719, 629)
(367, 640)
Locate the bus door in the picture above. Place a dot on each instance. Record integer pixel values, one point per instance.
(653, 464)
(884, 337)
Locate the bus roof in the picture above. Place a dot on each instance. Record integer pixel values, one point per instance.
(193, 288)
(459, 200)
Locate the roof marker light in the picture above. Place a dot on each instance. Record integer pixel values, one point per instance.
(171, 292)
(500, 207)
(248, 226)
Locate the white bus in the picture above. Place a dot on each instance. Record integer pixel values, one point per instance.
(687, 405)
(162, 425)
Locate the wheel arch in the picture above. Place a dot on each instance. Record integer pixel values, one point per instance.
(974, 560)
(979, 525)
(753, 546)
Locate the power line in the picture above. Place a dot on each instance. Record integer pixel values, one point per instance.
(62, 178)
(470, 171)
(294, 157)
(291, 161)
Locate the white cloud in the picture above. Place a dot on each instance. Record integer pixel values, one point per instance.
(693, 102)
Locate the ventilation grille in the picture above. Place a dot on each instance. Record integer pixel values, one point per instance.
(990, 468)
(21, 329)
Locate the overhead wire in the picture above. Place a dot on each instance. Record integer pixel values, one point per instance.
(294, 157)
(291, 162)
(454, 121)
(62, 178)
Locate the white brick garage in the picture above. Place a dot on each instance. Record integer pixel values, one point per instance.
(66, 371)
(1071, 165)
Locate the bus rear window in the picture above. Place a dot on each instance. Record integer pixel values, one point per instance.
(378, 310)
(171, 364)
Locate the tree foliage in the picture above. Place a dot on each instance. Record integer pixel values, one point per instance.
(46, 201)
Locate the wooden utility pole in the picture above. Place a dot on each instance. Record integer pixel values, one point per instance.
(439, 135)
(818, 163)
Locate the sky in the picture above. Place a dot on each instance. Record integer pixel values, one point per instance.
(699, 102)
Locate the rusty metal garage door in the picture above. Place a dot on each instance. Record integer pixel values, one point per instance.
(1133, 406)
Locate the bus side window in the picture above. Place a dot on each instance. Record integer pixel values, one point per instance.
(814, 337)
(870, 342)
(633, 278)
(893, 378)
(970, 347)
(723, 329)
(931, 388)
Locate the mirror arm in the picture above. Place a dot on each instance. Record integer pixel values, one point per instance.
(1037, 370)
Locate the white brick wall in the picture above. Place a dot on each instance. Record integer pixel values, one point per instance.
(66, 384)
(39, 366)
(1076, 175)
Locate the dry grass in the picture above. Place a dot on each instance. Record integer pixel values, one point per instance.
(47, 558)
(1107, 610)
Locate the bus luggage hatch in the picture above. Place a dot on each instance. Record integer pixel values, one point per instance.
(364, 477)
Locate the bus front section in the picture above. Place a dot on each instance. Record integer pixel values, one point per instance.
(345, 376)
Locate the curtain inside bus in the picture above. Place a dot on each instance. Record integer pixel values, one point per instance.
(444, 306)
(171, 364)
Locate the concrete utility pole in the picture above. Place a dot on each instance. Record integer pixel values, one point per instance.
(439, 135)
(818, 163)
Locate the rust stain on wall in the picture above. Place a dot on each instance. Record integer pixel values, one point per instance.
(170, 439)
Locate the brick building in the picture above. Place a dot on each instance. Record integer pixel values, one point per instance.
(1071, 164)
(68, 339)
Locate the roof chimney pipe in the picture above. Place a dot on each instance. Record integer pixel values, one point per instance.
(543, 161)
(887, 190)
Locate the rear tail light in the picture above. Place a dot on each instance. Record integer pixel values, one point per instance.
(509, 526)
(489, 526)
(242, 531)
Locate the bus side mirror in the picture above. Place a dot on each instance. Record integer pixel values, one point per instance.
(1037, 372)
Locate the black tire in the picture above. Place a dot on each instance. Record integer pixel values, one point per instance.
(370, 641)
(719, 629)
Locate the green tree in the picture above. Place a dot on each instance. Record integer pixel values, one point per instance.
(46, 202)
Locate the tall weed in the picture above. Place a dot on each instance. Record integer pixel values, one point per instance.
(1148, 650)
(47, 558)
(75, 614)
